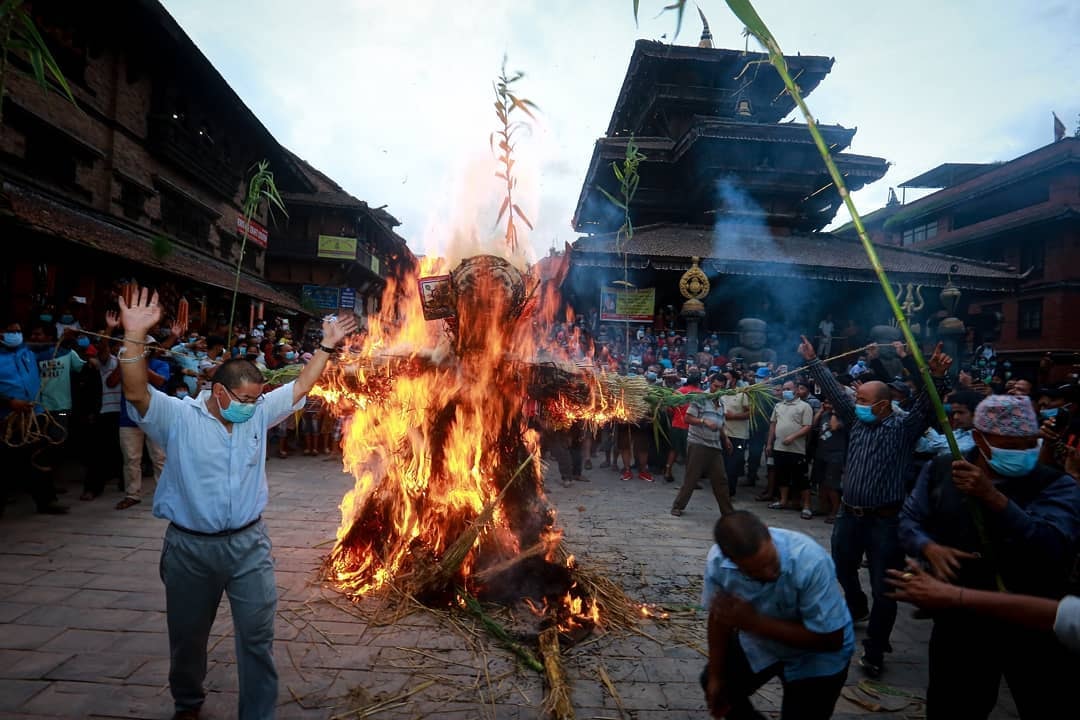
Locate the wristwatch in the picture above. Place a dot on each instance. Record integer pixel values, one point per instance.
(327, 350)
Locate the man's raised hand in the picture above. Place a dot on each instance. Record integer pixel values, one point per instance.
(806, 349)
(142, 315)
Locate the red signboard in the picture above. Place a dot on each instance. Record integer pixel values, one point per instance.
(256, 232)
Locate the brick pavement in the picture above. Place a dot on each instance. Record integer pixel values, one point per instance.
(83, 624)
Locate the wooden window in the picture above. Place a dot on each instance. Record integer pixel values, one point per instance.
(185, 220)
(132, 200)
(1031, 318)
(919, 234)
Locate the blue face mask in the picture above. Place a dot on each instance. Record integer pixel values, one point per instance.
(1048, 413)
(865, 413)
(67, 319)
(292, 356)
(13, 339)
(83, 342)
(45, 317)
(238, 412)
(181, 394)
(788, 395)
(948, 408)
(200, 354)
(650, 376)
(1013, 463)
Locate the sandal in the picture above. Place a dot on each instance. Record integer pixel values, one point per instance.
(127, 502)
(776, 506)
(763, 497)
(87, 496)
(282, 454)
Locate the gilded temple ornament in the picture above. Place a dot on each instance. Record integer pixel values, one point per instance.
(694, 284)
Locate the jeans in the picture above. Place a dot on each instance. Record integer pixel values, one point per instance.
(735, 463)
(759, 435)
(702, 460)
(877, 537)
(196, 570)
(132, 440)
(804, 699)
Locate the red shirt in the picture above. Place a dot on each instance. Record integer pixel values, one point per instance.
(678, 415)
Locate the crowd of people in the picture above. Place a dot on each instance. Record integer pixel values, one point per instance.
(860, 446)
(62, 406)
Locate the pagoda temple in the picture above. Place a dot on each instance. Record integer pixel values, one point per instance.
(725, 179)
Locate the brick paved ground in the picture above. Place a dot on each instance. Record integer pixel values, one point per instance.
(83, 625)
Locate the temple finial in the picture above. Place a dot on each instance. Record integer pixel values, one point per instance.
(706, 34)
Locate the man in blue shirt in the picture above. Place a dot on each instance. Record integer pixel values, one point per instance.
(20, 384)
(775, 609)
(213, 491)
(1031, 518)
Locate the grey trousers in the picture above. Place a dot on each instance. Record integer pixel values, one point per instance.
(707, 461)
(196, 570)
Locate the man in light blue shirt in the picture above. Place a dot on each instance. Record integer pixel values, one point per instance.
(775, 609)
(213, 491)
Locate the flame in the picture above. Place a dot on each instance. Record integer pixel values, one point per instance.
(436, 430)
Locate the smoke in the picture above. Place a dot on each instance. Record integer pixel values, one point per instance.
(789, 304)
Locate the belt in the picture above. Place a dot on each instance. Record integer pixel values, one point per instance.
(221, 533)
(885, 511)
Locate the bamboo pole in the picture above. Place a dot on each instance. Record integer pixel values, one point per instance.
(744, 10)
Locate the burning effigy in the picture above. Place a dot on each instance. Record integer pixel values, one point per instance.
(449, 483)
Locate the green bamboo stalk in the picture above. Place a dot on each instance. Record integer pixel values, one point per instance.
(260, 187)
(499, 632)
(745, 11)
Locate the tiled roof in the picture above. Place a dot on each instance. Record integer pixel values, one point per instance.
(752, 250)
(60, 220)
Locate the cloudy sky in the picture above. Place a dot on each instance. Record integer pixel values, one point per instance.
(394, 99)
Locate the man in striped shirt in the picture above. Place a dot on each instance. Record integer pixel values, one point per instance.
(880, 447)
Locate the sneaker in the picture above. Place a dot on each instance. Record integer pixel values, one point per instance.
(775, 506)
(872, 665)
(807, 514)
(645, 475)
(627, 475)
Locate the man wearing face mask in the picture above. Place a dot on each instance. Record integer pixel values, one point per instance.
(19, 385)
(774, 611)
(1031, 515)
(880, 449)
(213, 491)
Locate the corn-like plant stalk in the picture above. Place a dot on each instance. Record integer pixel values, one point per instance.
(506, 103)
(744, 10)
(19, 36)
(628, 178)
(261, 187)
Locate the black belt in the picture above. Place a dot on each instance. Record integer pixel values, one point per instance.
(885, 511)
(222, 533)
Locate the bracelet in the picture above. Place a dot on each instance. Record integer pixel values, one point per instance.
(121, 352)
(327, 350)
(135, 359)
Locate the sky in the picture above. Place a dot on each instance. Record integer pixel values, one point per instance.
(394, 99)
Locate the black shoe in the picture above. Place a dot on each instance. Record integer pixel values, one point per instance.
(53, 509)
(873, 665)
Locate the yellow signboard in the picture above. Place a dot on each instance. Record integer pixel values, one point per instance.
(337, 248)
(635, 305)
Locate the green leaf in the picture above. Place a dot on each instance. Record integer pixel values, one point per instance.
(618, 172)
(749, 17)
(615, 201)
(636, 12)
(40, 57)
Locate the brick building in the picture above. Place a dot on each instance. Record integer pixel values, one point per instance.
(1024, 213)
(334, 250)
(143, 179)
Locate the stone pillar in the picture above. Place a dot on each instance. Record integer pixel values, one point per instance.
(694, 286)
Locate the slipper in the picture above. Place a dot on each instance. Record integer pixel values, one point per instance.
(762, 497)
(282, 454)
(87, 496)
(127, 502)
(775, 506)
